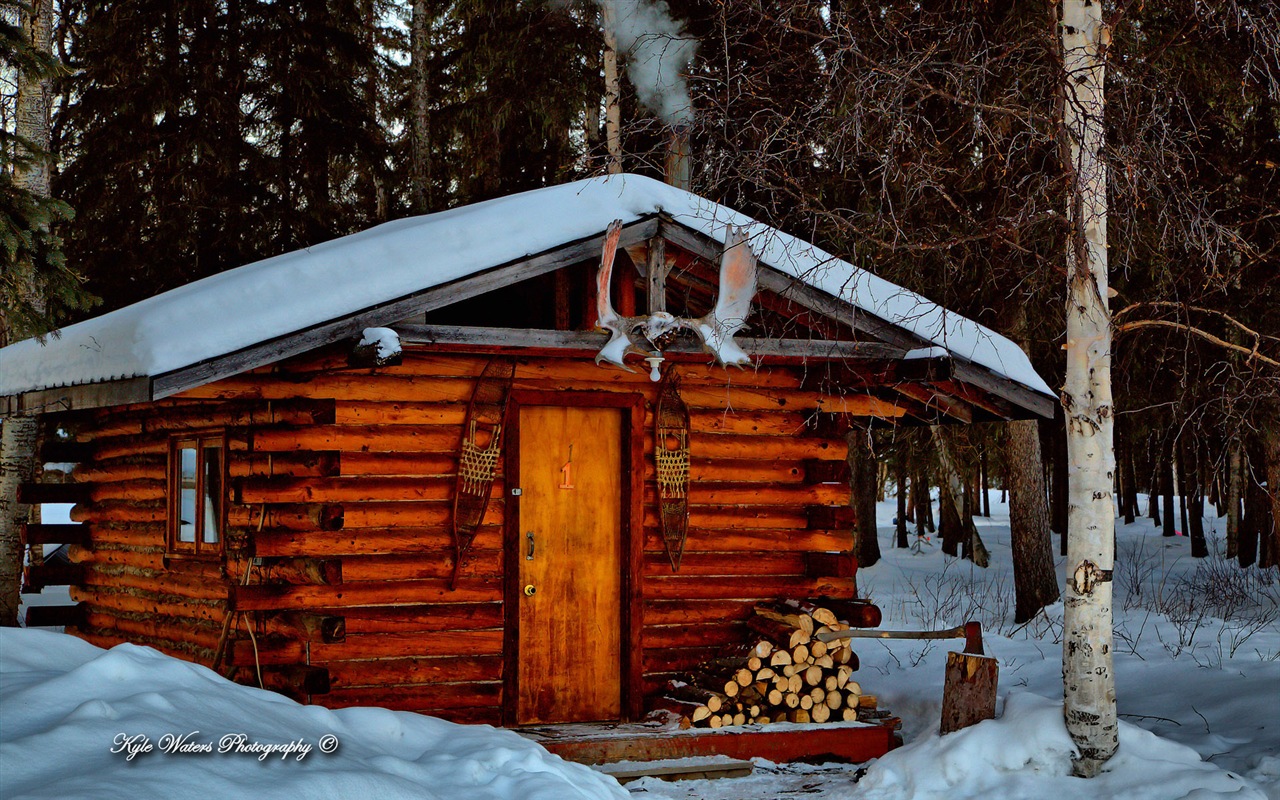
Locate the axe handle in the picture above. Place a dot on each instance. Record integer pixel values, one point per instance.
(971, 632)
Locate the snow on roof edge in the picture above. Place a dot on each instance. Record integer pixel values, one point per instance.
(281, 295)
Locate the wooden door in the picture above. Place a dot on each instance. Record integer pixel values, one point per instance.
(570, 564)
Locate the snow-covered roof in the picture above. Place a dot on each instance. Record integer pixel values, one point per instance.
(279, 296)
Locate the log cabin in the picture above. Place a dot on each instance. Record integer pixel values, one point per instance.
(399, 469)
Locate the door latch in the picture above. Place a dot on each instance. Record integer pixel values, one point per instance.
(530, 590)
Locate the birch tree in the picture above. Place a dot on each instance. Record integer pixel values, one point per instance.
(18, 433)
(1088, 678)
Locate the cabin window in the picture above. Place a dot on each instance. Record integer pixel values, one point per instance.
(197, 470)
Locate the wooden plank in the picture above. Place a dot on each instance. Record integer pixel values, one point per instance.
(850, 741)
(48, 533)
(678, 587)
(387, 313)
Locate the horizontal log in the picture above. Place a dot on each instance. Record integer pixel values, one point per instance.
(778, 471)
(393, 671)
(122, 469)
(436, 696)
(184, 415)
(479, 564)
(425, 617)
(727, 445)
(701, 586)
(138, 490)
(665, 663)
(121, 599)
(37, 493)
(858, 613)
(824, 471)
(752, 423)
(38, 576)
(264, 650)
(360, 647)
(172, 583)
(52, 533)
(829, 517)
(327, 571)
(326, 628)
(399, 412)
(692, 612)
(60, 451)
(719, 494)
(745, 564)
(724, 398)
(353, 541)
(179, 631)
(148, 511)
(297, 680)
(344, 490)
(414, 513)
(301, 516)
(107, 639)
(262, 597)
(734, 517)
(731, 540)
(338, 386)
(418, 464)
(831, 564)
(152, 558)
(362, 438)
(55, 616)
(108, 534)
(258, 464)
(691, 635)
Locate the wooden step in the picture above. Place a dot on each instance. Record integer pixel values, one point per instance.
(678, 769)
(603, 743)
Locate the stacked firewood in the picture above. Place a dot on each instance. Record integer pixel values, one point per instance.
(787, 675)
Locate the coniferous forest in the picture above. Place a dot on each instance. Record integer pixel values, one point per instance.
(923, 142)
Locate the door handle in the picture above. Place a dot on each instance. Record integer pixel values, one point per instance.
(529, 555)
(530, 590)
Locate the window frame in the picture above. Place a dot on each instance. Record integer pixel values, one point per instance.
(200, 441)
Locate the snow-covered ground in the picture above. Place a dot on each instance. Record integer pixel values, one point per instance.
(1207, 688)
(1197, 665)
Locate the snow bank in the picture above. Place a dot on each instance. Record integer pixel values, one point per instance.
(65, 705)
(1027, 752)
(281, 295)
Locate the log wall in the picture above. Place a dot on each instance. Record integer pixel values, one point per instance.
(341, 483)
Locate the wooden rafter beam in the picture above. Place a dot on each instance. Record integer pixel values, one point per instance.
(932, 398)
(591, 341)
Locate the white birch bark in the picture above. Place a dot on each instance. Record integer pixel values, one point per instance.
(612, 93)
(18, 434)
(1088, 677)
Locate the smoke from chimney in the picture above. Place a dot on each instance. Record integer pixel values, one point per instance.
(658, 54)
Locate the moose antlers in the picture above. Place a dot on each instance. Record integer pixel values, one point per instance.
(640, 334)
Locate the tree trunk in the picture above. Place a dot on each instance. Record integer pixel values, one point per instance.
(17, 462)
(1035, 583)
(984, 483)
(957, 523)
(862, 483)
(1233, 497)
(1058, 507)
(1270, 531)
(1129, 499)
(1196, 471)
(1088, 677)
(900, 475)
(420, 198)
(1166, 485)
(1184, 486)
(18, 434)
(612, 94)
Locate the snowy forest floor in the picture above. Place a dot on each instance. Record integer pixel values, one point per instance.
(1197, 660)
